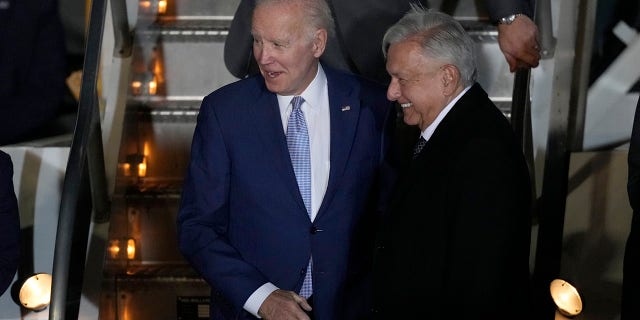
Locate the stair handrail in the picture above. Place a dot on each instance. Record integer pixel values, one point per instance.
(86, 149)
(543, 20)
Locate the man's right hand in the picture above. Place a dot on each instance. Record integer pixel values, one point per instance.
(282, 304)
(518, 42)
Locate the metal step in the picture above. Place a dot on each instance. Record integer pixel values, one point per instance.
(177, 60)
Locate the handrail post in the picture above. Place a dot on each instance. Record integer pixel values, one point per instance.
(123, 36)
(521, 124)
(543, 20)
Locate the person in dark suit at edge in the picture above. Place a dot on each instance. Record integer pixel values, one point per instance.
(455, 239)
(9, 224)
(631, 280)
(362, 23)
(279, 195)
(32, 69)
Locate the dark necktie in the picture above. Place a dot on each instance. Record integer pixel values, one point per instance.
(299, 151)
(418, 147)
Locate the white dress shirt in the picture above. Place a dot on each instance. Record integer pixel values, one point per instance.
(428, 132)
(316, 115)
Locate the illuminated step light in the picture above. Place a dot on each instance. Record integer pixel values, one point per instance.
(566, 298)
(137, 162)
(144, 84)
(136, 87)
(142, 169)
(114, 249)
(126, 169)
(153, 6)
(145, 4)
(122, 248)
(35, 292)
(152, 86)
(162, 6)
(131, 249)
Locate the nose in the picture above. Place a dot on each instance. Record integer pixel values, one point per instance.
(262, 54)
(393, 92)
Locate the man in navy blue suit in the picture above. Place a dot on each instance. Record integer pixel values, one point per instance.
(9, 224)
(245, 223)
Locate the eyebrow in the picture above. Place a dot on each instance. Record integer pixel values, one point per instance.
(276, 40)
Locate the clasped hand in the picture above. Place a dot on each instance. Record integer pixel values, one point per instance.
(282, 304)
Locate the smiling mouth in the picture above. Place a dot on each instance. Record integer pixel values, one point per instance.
(272, 74)
(406, 105)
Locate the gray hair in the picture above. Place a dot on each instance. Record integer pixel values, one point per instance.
(440, 36)
(317, 12)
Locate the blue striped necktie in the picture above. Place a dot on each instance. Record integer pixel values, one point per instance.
(299, 151)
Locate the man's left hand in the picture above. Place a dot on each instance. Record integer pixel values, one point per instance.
(282, 304)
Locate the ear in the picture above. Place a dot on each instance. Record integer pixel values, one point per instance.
(319, 42)
(450, 79)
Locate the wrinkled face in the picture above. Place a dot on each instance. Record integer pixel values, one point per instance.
(417, 83)
(286, 48)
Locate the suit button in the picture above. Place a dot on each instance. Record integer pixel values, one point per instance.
(315, 230)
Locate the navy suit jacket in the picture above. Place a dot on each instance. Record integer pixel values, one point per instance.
(9, 224)
(242, 221)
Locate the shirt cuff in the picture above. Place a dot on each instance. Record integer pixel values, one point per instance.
(256, 299)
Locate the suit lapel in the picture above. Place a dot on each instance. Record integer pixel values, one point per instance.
(268, 124)
(344, 111)
(412, 168)
(452, 124)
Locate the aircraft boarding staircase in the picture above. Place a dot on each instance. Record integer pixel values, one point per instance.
(116, 254)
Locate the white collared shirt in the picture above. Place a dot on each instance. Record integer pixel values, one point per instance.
(428, 132)
(316, 115)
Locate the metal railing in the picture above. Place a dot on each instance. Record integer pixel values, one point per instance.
(85, 165)
(566, 125)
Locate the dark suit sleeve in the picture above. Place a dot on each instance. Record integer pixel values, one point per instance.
(631, 279)
(203, 219)
(35, 71)
(633, 185)
(9, 224)
(502, 8)
(490, 245)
